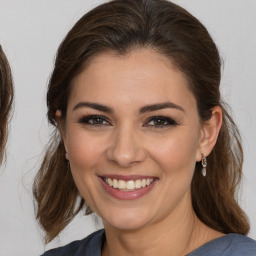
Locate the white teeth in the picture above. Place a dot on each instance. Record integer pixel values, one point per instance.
(137, 183)
(128, 185)
(115, 184)
(143, 183)
(109, 181)
(121, 184)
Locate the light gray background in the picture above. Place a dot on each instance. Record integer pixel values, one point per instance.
(30, 32)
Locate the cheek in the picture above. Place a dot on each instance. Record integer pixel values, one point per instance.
(84, 150)
(177, 152)
(84, 154)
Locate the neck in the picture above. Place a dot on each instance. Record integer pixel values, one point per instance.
(177, 234)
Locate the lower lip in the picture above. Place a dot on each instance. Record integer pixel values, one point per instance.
(127, 195)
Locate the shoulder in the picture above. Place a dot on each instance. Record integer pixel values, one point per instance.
(242, 244)
(91, 245)
(231, 244)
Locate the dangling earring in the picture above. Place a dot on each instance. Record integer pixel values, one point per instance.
(204, 164)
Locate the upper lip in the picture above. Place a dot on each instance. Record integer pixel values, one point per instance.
(127, 177)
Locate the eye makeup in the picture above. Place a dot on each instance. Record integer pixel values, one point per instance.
(160, 122)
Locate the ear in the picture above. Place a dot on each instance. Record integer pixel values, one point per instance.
(209, 133)
(61, 129)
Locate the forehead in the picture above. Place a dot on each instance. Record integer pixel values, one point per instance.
(141, 76)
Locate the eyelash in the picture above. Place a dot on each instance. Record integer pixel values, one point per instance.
(164, 121)
(98, 120)
(90, 120)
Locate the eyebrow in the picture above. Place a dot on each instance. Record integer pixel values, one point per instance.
(159, 106)
(145, 109)
(96, 106)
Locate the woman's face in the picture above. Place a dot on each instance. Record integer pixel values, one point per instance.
(132, 136)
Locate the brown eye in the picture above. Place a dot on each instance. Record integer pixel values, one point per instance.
(160, 121)
(94, 120)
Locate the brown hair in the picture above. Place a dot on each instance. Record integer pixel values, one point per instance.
(121, 26)
(6, 99)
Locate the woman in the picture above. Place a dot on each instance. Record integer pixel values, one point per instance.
(6, 98)
(142, 137)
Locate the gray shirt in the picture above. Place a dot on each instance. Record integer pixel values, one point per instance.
(228, 245)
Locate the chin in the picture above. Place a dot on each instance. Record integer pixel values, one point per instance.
(128, 221)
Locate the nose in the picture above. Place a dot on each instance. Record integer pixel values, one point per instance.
(126, 148)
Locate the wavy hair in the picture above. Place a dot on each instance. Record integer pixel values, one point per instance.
(121, 26)
(6, 99)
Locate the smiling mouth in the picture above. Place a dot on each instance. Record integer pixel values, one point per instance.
(128, 185)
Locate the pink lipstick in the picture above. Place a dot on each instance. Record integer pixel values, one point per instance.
(127, 187)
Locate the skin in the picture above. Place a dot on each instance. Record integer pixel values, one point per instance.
(125, 141)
